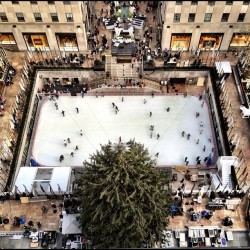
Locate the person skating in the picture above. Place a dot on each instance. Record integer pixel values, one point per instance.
(77, 110)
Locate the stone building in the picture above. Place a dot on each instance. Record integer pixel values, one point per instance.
(207, 25)
(44, 25)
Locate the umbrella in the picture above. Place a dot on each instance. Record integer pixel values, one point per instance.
(22, 220)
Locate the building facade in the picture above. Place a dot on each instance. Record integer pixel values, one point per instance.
(207, 25)
(44, 25)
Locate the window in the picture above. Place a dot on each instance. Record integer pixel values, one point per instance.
(191, 17)
(69, 17)
(20, 17)
(38, 17)
(211, 2)
(54, 17)
(66, 2)
(194, 2)
(245, 2)
(51, 2)
(177, 17)
(241, 17)
(178, 2)
(229, 2)
(224, 17)
(208, 17)
(3, 17)
(33, 2)
(15, 2)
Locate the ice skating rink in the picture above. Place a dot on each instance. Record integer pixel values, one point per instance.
(100, 123)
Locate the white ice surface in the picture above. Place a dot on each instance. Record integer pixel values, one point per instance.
(100, 124)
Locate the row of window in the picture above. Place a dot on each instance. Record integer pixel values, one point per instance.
(208, 17)
(35, 2)
(37, 16)
(211, 2)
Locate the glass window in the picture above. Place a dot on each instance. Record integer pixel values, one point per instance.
(7, 38)
(54, 17)
(33, 2)
(224, 17)
(211, 3)
(191, 17)
(208, 17)
(178, 2)
(66, 2)
(69, 17)
(177, 17)
(3, 17)
(20, 17)
(38, 17)
(241, 17)
(194, 2)
(229, 2)
(245, 2)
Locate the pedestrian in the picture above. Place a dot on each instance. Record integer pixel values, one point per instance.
(200, 98)
(77, 110)
(198, 141)
(185, 158)
(150, 114)
(188, 136)
(65, 143)
(72, 154)
(210, 139)
(63, 113)
(199, 162)
(158, 136)
(120, 138)
(202, 104)
(39, 224)
(96, 95)
(76, 147)
(122, 99)
(205, 159)
(197, 158)
(168, 109)
(183, 133)
(157, 154)
(81, 132)
(153, 94)
(204, 148)
(113, 104)
(68, 140)
(144, 101)
(61, 158)
(197, 114)
(116, 108)
(151, 134)
(82, 94)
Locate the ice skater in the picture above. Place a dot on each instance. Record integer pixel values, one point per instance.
(188, 136)
(81, 132)
(201, 124)
(68, 140)
(102, 94)
(202, 104)
(201, 130)
(187, 163)
(157, 154)
(185, 158)
(82, 93)
(158, 136)
(210, 139)
(185, 94)
(183, 133)
(197, 142)
(205, 159)
(122, 99)
(56, 105)
(72, 154)
(61, 158)
(116, 108)
(197, 114)
(168, 109)
(77, 110)
(120, 139)
(197, 158)
(65, 143)
(199, 162)
(150, 114)
(200, 97)
(153, 94)
(96, 95)
(152, 127)
(76, 147)
(63, 112)
(113, 104)
(151, 134)
(144, 101)
(204, 148)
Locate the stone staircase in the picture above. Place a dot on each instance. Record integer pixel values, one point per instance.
(120, 70)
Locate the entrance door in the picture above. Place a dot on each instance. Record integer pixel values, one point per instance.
(177, 80)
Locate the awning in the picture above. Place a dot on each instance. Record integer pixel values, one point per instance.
(223, 67)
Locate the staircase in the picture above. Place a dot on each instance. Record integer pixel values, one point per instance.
(120, 70)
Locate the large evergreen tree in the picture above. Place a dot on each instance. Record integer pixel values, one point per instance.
(124, 202)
